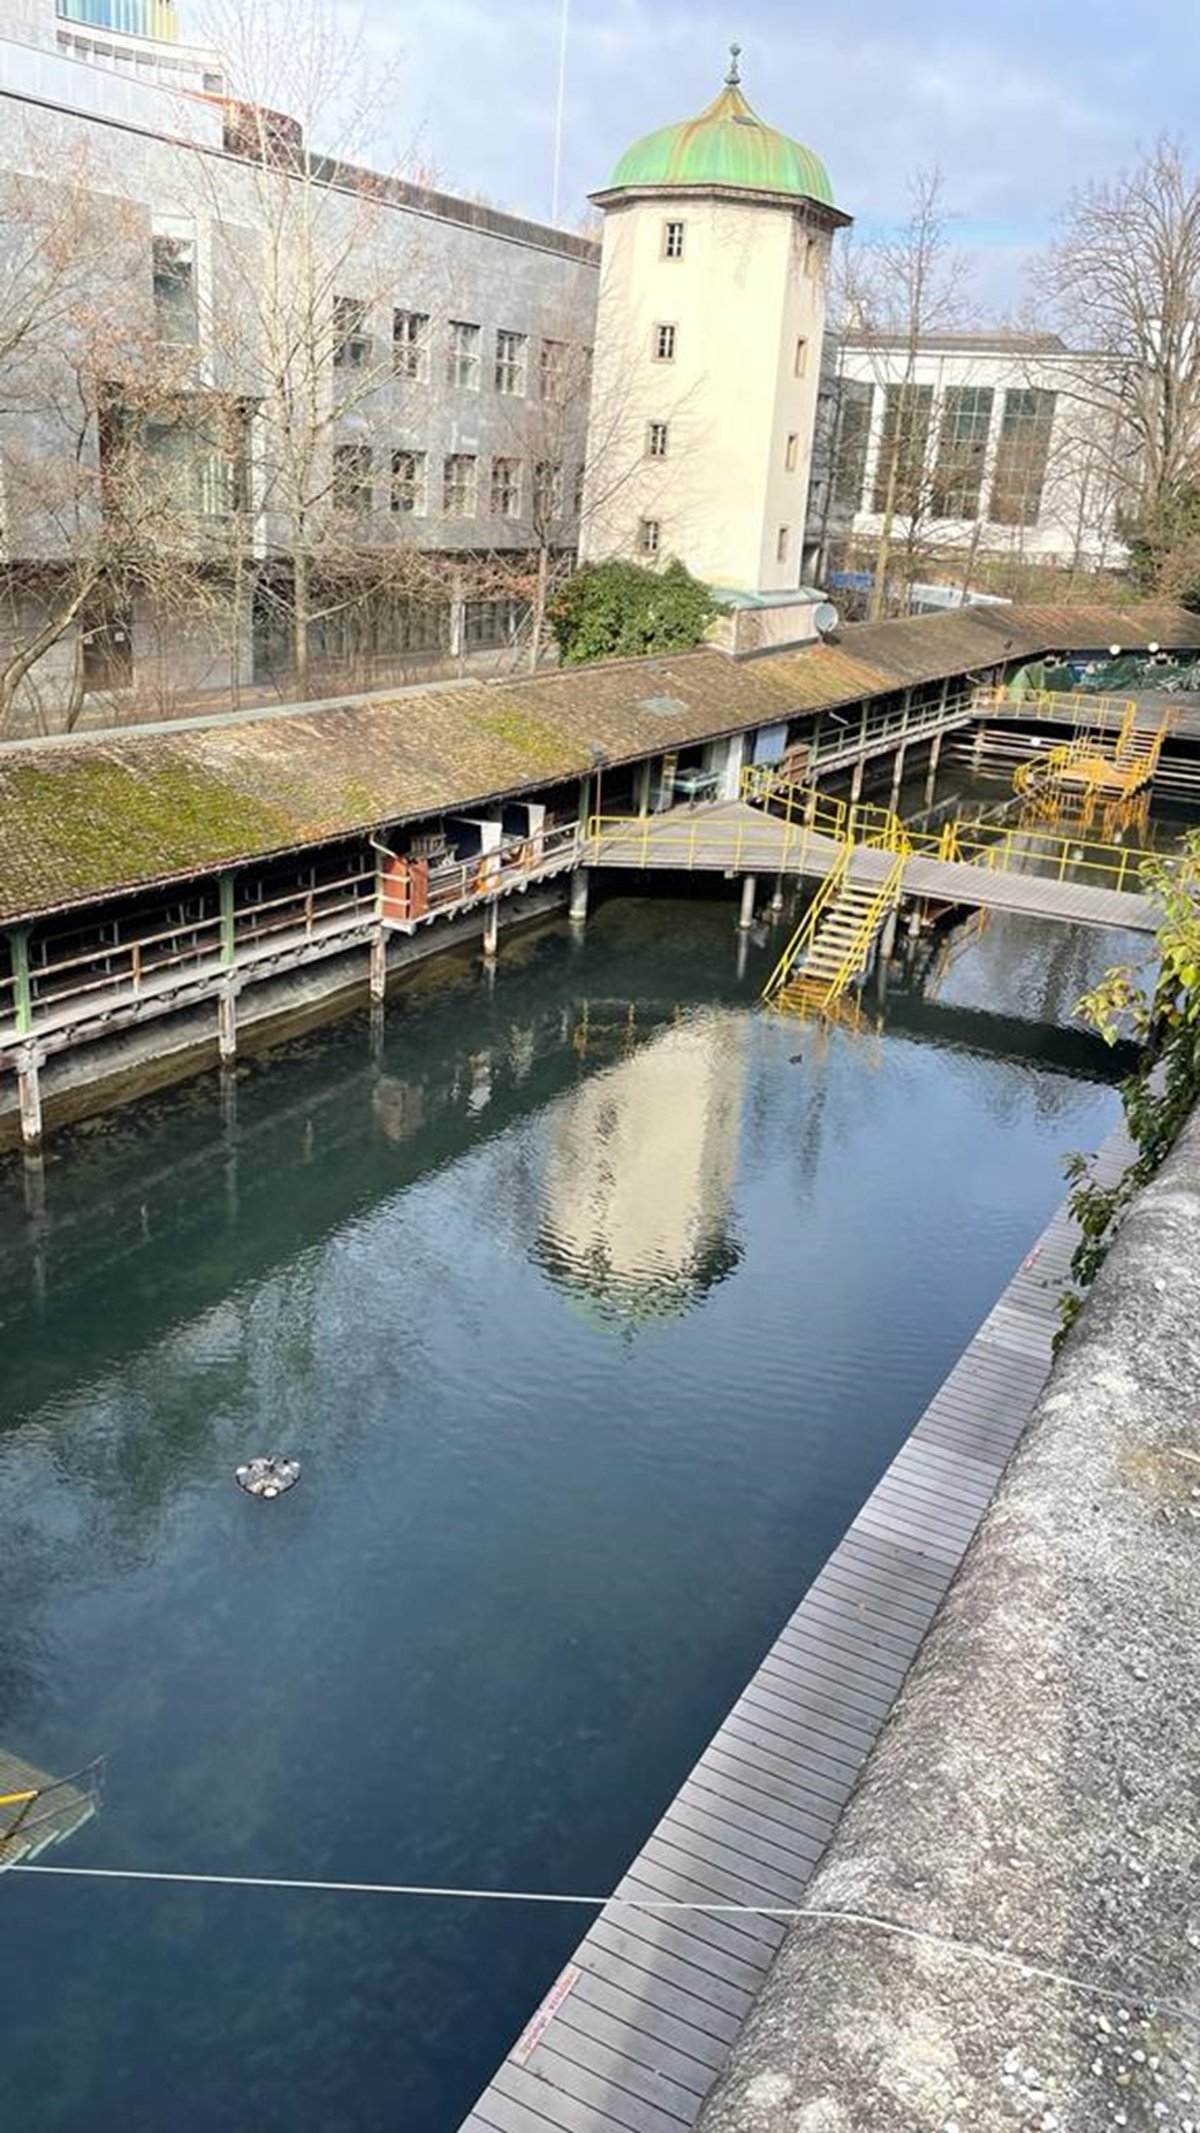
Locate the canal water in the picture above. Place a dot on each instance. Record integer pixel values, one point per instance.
(593, 1301)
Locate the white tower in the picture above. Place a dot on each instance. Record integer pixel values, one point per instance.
(717, 236)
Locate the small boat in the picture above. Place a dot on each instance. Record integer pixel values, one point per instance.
(268, 1476)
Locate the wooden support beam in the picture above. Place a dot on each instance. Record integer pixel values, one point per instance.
(18, 941)
(227, 1022)
(491, 930)
(29, 1095)
(377, 978)
(225, 888)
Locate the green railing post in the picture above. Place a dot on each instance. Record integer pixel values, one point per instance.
(18, 941)
(228, 940)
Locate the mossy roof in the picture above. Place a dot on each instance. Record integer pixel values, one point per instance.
(90, 817)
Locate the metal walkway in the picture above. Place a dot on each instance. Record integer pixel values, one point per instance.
(636, 2029)
(731, 837)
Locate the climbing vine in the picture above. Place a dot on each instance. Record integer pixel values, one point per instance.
(1165, 1014)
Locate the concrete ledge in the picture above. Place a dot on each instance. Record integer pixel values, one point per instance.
(1034, 1795)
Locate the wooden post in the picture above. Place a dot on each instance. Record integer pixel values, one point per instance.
(377, 978)
(746, 914)
(579, 896)
(491, 930)
(228, 941)
(227, 1022)
(18, 942)
(898, 774)
(935, 755)
(887, 943)
(644, 780)
(29, 1096)
(776, 904)
(856, 782)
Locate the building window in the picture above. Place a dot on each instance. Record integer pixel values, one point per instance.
(649, 535)
(462, 361)
(792, 452)
(512, 354)
(352, 477)
(903, 450)
(811, 253)
(656, 440)
(672, 240)
(1022, 453)
(663, 344)
(410, 344)
(547, 491)
(408, 483)
(781, 545)
(459, 475)
(552, 371)
(490, 623)
(190, 461)
(107, 647)
(800, 360)
(852, 436)
(351, 341)
(506, 488)
(176, 317)
(962, 442)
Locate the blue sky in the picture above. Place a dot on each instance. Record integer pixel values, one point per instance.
(1016, 102)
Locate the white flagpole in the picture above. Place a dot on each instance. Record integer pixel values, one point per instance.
(558, 114)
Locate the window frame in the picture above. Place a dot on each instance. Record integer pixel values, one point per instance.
(674, 238)
(468, 464)
(657, 440)
(505, 487)
(511, 371)
(664, 341)
(649, 541)
(352, 339)
(419, 480)
(463, 356)
(410, 351)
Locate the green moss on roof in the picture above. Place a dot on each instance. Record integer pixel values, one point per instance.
(728, 145)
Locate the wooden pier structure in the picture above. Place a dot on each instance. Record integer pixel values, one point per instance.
(37, 1810)
(634, 2032)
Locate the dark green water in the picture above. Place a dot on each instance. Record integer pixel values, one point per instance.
(593, 1311)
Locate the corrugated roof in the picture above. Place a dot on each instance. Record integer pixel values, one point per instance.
(102, 814)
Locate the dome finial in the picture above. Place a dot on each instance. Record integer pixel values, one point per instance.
(733, 77)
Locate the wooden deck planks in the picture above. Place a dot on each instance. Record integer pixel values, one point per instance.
(643, 2018)
(731, 835)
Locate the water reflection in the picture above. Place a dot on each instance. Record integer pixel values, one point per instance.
(640, 1167)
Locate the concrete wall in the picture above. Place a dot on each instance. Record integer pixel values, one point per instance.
(1030, 1808)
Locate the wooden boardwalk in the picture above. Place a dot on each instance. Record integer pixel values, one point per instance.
(637, 2028)
(732, 838)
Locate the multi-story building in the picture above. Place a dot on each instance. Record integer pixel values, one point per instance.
(265, 417)
(967, 445)
(717, 237)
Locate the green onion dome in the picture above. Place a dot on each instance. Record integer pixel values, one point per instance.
(727, 146)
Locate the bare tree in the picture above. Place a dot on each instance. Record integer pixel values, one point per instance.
(894, 291)
(307, 261)
(1122, 281)
(90, 401)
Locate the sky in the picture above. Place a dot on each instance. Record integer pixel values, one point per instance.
(1014, 102)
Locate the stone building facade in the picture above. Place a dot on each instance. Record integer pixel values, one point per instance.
(272, 367)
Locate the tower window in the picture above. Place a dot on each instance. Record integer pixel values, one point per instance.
(656, 440)
(672, 240)
(801, 363)
(649, 534)
(664, 344)
(781, 545)
(791, 454)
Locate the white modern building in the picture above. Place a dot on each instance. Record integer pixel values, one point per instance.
(717, 237)
(983, 444)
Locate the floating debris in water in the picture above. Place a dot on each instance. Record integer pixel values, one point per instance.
(268, 1476)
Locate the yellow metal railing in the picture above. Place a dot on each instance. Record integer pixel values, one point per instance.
(854, 961)
(806, 932)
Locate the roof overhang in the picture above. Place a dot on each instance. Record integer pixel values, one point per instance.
(816, 211)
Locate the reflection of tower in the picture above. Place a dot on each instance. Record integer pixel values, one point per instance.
(640, 1171)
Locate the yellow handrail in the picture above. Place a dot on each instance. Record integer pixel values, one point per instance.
(859, 948)
(801, 939)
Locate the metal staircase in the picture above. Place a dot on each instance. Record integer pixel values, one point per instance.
(1097, 765)
(834, 941)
